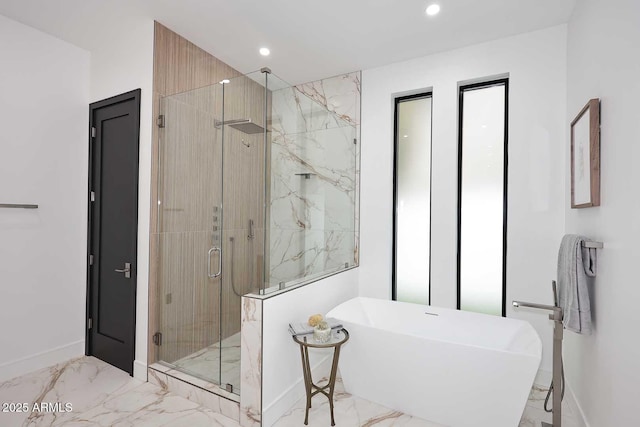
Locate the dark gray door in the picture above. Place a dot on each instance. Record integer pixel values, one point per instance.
(113, 229)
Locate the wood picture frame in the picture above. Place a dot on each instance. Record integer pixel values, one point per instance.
(585, 156)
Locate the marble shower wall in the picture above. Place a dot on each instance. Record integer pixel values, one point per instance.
(315, 154)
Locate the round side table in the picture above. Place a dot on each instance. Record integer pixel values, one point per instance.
(306, 341)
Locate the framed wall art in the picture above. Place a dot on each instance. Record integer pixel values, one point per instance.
(585, 156)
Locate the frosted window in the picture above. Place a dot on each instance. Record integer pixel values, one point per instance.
(412, 198)
(482, 195)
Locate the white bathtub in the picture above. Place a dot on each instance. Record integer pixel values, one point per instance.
(452, 367)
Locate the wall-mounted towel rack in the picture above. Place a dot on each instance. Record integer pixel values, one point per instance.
(17, 206)
(595, 245)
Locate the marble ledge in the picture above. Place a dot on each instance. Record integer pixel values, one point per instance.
(198, 382)
(195, 393)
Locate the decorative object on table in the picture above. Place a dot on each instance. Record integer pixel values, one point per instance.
(336, 340)
(298, 328)
(315, 319)
(585, 156)
(322, 332)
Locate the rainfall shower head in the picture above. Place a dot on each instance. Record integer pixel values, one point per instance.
(243, 125)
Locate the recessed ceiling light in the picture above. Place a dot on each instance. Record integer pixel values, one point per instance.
(405, 136)
(433, 9)
(264, 51)
(225, 81)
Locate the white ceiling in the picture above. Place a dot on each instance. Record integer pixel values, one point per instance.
(308, 39)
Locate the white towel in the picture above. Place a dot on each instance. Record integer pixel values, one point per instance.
(575, 264)
(299, 328)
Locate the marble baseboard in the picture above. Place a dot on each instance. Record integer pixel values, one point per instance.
(197, 391)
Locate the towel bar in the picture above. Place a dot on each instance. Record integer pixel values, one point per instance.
(594, 245)
(18, 206)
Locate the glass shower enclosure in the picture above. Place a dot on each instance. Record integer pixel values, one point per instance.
(211, 155)
(248, 202)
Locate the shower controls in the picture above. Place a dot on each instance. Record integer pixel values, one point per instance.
(126, 270)
(215, 237)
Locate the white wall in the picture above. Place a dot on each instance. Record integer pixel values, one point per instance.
(536, 64)
(604, 62)
(44, 95)
(282, 384)
(122, 60)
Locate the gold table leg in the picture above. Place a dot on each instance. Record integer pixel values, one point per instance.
(313, 389)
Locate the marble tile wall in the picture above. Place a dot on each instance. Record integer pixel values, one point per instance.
(251, 363)
(314, 178)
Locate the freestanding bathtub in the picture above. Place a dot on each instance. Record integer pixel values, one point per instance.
(451, 367)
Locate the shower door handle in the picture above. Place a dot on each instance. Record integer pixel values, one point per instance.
(211, 251)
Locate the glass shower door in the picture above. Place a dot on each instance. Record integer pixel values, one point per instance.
(243, 135)
(189, 232)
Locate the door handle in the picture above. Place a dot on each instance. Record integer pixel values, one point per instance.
(126, 270)
(211, 251)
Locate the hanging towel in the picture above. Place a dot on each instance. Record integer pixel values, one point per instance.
(575, 264)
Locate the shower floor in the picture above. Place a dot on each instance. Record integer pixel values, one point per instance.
(208, 365)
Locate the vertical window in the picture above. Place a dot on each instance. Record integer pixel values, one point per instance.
(412, 199)
(482, 201)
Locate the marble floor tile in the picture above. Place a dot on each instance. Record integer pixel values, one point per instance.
(148, 405)
(99, 395)
(534, 412)
(102, 395)
(353, 411)
(211, 363)
(348, 410)
(83, 383)
(537, 396)
(532, 417)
